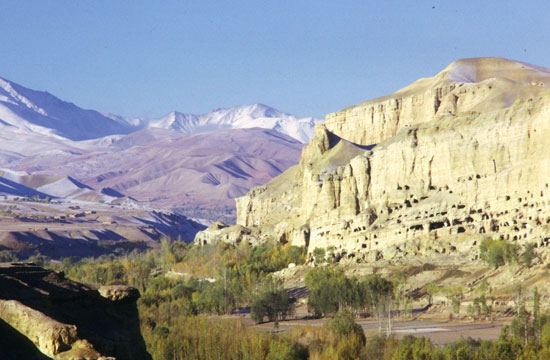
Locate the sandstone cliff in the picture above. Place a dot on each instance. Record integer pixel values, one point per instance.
(467, 85)
(43, 315)
(428, 170)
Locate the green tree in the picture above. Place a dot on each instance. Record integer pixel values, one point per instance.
(274, 304)
(327, 288)
(378, 292)
(497, 252)
(528, 255)
(319, 255)
(350, 337)
(344, 325)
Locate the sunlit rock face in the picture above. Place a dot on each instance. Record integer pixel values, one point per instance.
(48, 316)
(427, 171)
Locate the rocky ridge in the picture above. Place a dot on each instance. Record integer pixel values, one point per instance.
(63, 319)
(427, 171)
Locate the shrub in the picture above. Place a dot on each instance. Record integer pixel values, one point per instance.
(344, 325)
(282, 349)
(319, 255)
(181, 291)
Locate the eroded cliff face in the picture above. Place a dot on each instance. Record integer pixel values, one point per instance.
(468, 85)
(49, 316)
(438, 179)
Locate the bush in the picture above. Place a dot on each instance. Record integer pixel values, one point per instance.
(7, 256)
(545, 337)
(319, 255)
(344, 325)
(412, 348)
(281, 349)
(181, 291)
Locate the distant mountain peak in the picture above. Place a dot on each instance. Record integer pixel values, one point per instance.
(238, 117)
(43, 113)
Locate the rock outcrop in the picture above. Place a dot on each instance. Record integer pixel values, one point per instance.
(66, 320)
(427, 171)
(218, 231)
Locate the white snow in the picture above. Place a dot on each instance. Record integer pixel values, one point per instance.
(239, 117)
(38, 112)
(42, 113)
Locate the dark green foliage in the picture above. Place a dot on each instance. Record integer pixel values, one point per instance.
(381, 348)
(269, 258)
(344, 325)
(330, 290)
(283, 349)
(273, 304)
(456, 301)
(182, 291)
(376, 288)
(161, 331)
(327, 287)
(497, 252)
(479, 307)
(319, 255)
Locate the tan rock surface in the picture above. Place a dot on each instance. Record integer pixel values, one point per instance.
(459, 156)
(220, 232)
(67, 320)
(119, 292)
(467, 85)
(49, 335)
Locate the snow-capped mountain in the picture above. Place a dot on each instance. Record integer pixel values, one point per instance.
(198, 163)
(41, 112)
(238, 117)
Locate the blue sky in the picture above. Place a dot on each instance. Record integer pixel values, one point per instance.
(146, 58)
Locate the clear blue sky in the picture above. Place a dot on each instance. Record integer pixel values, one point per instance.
(146, 58)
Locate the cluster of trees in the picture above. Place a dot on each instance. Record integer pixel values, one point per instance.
(221, 277)
(211, 260)
(527, 338)
(200, 338)
(240, 272)
(331, 290)
(218, 277)
(508, 347)
(498, 252)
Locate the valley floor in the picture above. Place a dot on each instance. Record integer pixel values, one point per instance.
(435, 328)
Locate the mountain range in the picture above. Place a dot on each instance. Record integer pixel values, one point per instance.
(197, 163)
(43, 113)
